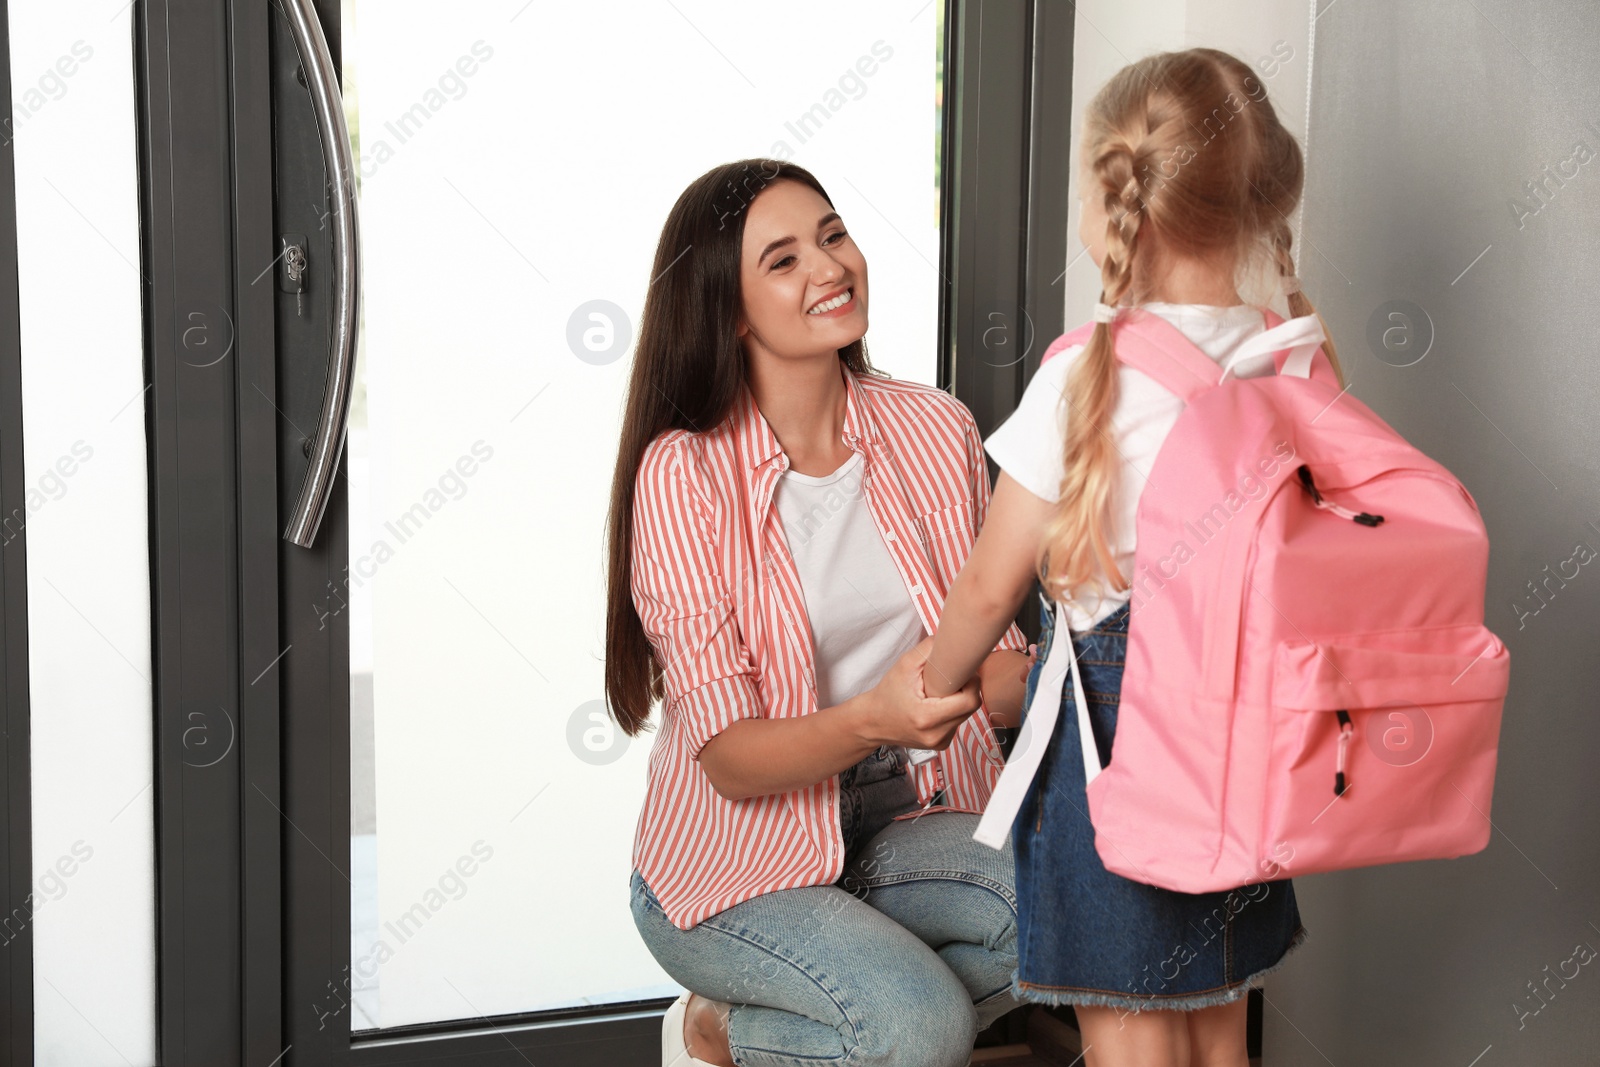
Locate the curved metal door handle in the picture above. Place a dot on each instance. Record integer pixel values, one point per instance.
(328, 445)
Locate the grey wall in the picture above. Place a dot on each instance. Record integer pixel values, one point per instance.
(1427, 118)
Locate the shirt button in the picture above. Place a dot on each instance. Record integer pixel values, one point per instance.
(916, 590)
(888, 535)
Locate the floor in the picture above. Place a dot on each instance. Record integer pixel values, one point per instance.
(1039, 1038)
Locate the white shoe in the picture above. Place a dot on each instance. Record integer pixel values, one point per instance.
(674, 1053)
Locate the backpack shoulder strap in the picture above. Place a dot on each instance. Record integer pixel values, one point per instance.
(1150, 344)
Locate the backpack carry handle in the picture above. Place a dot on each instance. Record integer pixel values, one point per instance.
(1293, 344)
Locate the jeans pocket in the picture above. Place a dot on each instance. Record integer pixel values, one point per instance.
(897, 760)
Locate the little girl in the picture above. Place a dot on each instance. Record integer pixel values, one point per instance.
(1189, 181)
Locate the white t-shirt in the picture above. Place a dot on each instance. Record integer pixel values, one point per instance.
(862, 617)
(1028, 445)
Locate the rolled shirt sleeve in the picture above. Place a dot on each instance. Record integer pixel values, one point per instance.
(684, 601)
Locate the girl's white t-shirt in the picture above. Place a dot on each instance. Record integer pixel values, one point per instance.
(862, 618)
(1028, 445)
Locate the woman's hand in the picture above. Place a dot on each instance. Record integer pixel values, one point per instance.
(1003, 682)
(901, 713)
(758, 756)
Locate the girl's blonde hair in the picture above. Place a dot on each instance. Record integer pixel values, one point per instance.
(1189, 158)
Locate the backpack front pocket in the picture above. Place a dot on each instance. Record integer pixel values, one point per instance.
(1383, 747)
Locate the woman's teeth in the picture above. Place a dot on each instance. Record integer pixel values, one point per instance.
(828, 305)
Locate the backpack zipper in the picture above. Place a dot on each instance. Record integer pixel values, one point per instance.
(1362, 517)
(1346, 730)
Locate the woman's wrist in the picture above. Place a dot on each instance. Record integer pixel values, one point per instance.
(862, 716)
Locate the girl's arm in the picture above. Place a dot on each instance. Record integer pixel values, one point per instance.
(990, 588)
(1002, 683)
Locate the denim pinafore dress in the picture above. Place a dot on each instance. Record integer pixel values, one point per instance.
(1088, 936)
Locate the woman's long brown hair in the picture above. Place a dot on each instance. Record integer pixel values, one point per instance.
(688, 369)
(1186, 154)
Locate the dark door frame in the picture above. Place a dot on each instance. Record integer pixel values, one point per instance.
(1008, 77)
(251, 688)
(16, 803)
(205, 195)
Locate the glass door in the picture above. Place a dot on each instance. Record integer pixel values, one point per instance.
(516, 163)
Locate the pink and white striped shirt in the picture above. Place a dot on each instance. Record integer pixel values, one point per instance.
(721, 602)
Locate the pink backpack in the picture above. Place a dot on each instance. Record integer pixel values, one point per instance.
(1309, 684)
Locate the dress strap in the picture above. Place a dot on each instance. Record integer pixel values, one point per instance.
(1091, 751)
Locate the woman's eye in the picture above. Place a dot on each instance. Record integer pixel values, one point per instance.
(832, 238)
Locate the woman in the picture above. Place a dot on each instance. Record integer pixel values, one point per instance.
(784, 525)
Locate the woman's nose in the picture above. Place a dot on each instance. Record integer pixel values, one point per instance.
(825, 269)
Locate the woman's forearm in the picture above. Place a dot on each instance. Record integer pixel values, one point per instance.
(756, 756)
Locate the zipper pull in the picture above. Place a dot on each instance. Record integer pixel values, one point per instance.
(1364, 518)
(1310, 486)
(1346, 731)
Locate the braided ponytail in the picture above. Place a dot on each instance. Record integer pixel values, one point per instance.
(1076, 546)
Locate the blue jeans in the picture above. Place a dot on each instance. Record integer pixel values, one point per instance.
(901, 961)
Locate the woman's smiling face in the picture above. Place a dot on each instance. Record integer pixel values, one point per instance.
(803, 281)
